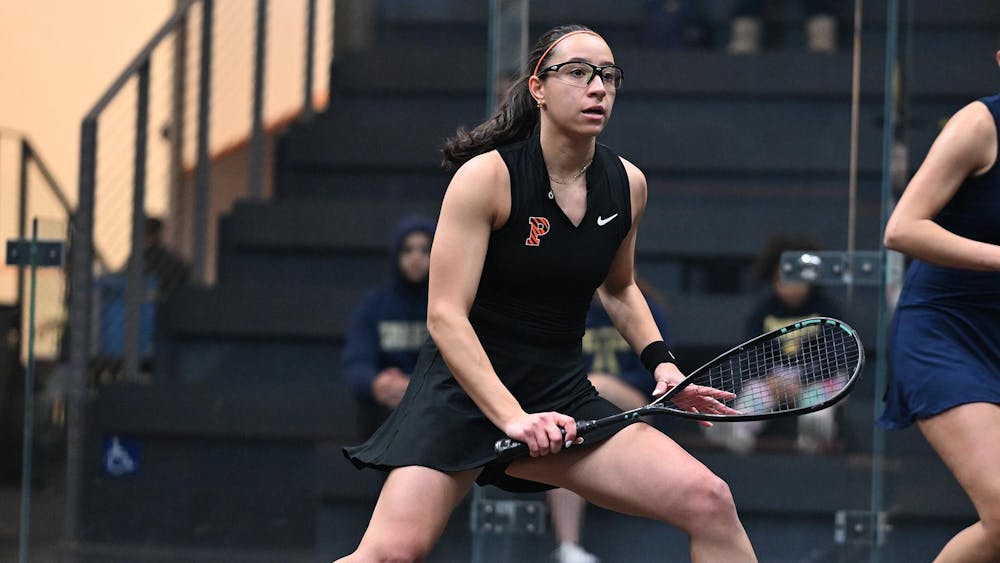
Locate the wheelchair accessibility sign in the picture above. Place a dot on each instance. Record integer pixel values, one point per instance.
(121, 456)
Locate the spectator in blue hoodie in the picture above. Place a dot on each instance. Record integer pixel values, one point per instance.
(389, 326)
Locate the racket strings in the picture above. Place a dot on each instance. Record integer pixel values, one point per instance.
(797, 369)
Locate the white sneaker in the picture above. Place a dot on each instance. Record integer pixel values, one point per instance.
(745, 34)
(816, 431)
(573, 553)
(821, 34)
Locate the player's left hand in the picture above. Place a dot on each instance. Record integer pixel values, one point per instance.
(695, 398)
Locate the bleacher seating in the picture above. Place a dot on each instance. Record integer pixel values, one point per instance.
(734, 149)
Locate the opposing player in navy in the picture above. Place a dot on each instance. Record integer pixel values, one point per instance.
(537, 217)
(945, 335)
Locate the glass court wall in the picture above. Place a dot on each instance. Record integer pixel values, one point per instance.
(775, 144)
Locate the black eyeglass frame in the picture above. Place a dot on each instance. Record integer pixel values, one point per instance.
(595, 71)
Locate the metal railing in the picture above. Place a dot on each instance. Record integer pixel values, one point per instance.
(181, 88)
(31, 195)
(33, 191)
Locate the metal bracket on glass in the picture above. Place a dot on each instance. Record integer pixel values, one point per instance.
(508, 516)
(49, 253)
(858, 527)
(832, 267)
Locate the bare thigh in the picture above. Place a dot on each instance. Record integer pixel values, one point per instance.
(967, 438)
(638, 471)
(412, 511)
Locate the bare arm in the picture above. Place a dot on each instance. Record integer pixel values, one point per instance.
(967, 146)
(629, 311)
(477, 201)
(619, 294)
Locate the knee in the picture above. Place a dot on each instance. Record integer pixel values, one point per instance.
(991, 532)
(710, 508)
(407, 550)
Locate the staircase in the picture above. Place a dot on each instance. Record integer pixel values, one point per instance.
(241, 432)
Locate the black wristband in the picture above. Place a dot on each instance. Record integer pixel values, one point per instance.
(655, 354)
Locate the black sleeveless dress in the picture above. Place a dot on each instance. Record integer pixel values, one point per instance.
(538, 279)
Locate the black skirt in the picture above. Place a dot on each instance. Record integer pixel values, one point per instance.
(437, 424)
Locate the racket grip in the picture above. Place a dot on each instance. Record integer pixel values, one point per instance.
(508, 449)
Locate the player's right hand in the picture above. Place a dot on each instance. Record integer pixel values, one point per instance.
(544, 433)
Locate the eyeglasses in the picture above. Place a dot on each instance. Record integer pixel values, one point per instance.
(580, 73)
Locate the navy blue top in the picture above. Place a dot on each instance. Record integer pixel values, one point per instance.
(974, 210)
(771, 312)
(974, 213)
(390, 323)
(606, 351)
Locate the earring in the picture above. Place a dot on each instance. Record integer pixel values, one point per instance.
(541, 105)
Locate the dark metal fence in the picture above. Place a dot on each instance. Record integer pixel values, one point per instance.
(29, 190)
(146, 151)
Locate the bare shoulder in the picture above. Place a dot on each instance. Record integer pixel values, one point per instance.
(637, 187)
(485, 167)
(973, 119)
(481, 185)
(972, 135)
(635, 175)
(484, 175)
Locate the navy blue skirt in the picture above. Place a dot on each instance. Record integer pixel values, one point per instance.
(943, 352)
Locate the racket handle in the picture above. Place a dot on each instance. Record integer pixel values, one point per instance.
(508, 449)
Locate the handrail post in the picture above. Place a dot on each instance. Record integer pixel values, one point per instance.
(255, 180)
(22, 213)
(79, 333)
(135, 288)
(203, 178)
(310, 57)
(177, 126)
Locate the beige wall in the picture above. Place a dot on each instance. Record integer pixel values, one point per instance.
(57, 57)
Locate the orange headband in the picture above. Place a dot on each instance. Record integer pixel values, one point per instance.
(556, 42)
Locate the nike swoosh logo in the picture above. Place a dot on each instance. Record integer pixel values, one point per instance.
(601, 221)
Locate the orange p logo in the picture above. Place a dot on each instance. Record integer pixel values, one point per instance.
(539, 226)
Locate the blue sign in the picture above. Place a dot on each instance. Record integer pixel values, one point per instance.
(121, 456)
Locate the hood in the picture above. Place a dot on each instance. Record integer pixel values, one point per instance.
(407, 225)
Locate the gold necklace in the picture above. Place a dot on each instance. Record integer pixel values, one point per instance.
(565, 181)
(574, 177)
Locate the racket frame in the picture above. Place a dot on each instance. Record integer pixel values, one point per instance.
(508, 449)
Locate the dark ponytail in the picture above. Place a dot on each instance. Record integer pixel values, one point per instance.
(516, 117)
